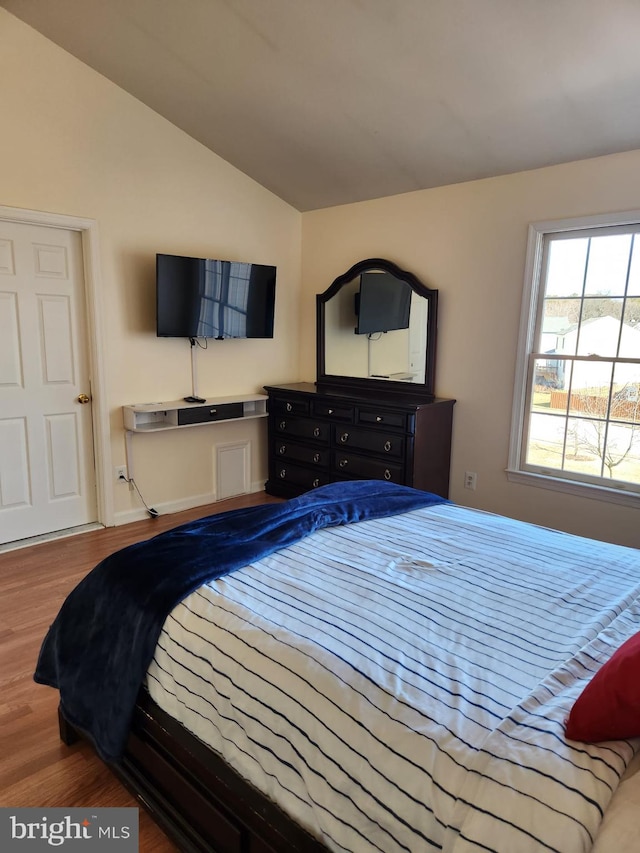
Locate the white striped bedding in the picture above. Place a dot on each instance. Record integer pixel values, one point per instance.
(402, 684)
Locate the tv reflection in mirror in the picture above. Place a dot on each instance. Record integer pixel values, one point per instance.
(383, 303)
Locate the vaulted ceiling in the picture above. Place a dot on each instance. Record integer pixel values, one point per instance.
(326, 102)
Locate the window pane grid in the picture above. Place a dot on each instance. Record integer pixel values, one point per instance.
(583, 394)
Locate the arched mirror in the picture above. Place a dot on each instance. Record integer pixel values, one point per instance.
(376, 329)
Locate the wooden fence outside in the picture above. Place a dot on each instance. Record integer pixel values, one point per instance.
(596, 405)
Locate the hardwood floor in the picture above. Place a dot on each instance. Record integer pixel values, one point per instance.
(36, 768)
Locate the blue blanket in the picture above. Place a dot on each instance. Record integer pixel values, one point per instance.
(98, 650)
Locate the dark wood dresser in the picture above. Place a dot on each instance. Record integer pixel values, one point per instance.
(318, 436)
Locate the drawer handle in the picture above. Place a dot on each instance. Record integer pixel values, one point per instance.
(379, 419)
(387, 445)
(316, 457)
(344, 438)
(343, 463)
(283, 424)
(212, 411)
(316, 432)
(387, 474)
(282, 449)
(316, 483)
(282, 473)
(289, 407)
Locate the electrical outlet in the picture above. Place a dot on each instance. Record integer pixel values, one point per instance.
(470, 479)
(121, 474)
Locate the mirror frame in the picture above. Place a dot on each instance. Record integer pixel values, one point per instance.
(424, 391)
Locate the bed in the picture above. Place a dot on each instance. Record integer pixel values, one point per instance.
(363, 668)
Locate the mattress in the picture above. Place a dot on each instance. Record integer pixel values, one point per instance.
(403, 683)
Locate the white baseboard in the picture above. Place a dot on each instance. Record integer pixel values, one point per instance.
(170, 507)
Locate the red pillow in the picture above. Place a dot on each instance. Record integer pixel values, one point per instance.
(609, 706)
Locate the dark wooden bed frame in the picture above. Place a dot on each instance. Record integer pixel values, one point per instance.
(199, 801)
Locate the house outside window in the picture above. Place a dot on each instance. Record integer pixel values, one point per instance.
(576, 419)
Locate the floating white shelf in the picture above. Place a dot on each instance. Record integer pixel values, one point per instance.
(177, 414)
(148, 417)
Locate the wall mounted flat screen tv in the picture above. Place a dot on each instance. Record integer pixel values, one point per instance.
(383, 303)
(206, 298)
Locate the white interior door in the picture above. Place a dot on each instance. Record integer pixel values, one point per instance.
(47, 474)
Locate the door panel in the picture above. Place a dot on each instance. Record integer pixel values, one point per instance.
(55, 340)
(10, 372)
(62, 446)
(14, 469)
(47, 477)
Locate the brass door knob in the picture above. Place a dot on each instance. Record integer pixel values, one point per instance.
(83, 398)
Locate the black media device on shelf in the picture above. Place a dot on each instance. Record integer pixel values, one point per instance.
(207, 298)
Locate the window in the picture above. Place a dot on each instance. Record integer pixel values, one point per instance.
(225, 294)
(576, 424)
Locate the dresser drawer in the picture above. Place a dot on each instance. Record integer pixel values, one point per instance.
(287, 473)
(381, 418)
(302, 428)
(353, 466)
(374, 441)
(205, 414)
(290, 406)
(333, 411)
(289, 451)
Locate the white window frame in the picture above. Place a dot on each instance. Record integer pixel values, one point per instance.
(526, 338)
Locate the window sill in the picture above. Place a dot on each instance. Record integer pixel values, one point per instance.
(573, 487)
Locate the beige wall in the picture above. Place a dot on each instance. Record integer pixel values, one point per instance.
(74, 143)
(469, 241)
